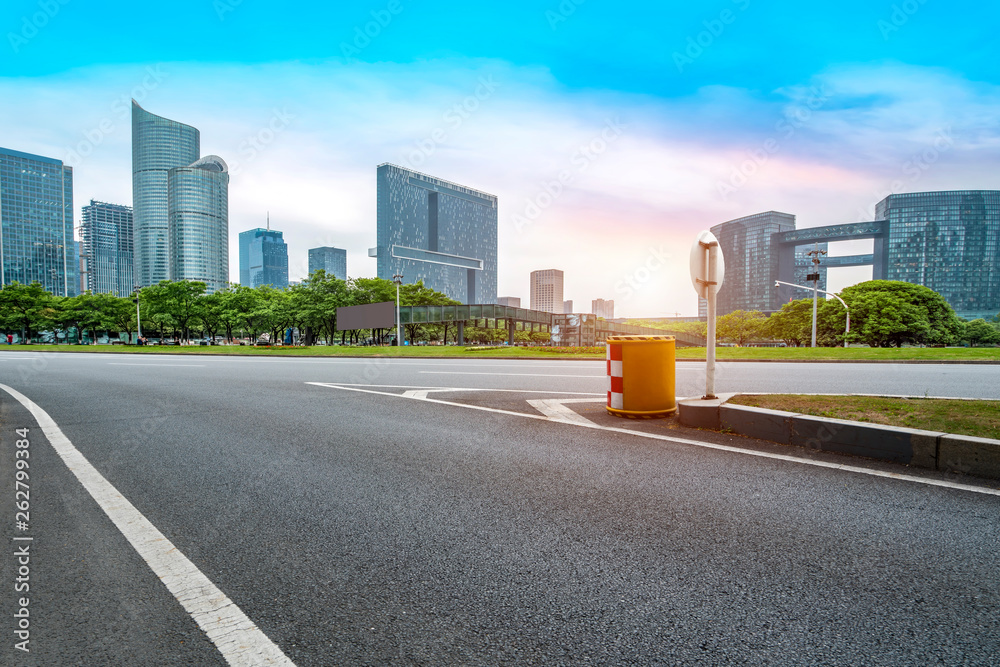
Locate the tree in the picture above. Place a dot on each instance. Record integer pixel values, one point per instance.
(792, 324)
(741, 326)
(980, 332)
(24, 308)
(886, 313)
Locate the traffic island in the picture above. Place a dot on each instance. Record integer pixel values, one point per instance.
(932, 450)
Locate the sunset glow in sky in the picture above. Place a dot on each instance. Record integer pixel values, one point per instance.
(611, 132)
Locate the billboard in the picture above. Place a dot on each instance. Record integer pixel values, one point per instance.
(369, 316)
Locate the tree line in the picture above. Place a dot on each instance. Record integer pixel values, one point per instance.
(182, 310)
(884, 313)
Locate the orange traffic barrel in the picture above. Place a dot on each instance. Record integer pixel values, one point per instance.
(642, 376)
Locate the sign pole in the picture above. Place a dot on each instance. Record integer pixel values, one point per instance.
(708, 268)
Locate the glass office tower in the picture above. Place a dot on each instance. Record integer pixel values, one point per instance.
(36, 222)
(331, 260)
(442, 233)
(106, 233)
(198, 222)
(746, 249)
(263, 259)
(949, 242)
(158, 145)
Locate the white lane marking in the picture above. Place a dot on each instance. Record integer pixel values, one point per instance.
(696, 443)
(422, 393)
(556, 410)
(241, 642)
(533, 375)
(112, 363)
(513, 391)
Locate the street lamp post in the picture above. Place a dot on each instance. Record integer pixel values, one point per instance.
(138, 322)
(814, 277)
(398, 279)
(847, 310)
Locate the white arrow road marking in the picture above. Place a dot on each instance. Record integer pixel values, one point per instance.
(241, 642)
(695, 443)
(556, 410)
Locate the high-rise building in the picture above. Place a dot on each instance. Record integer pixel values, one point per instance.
(442, 233)
(106, 252)
(263, 258)
(603, 308)
(746, 249)
(36, 222)
(510, 301)
(949, 242)
(158, 145)
(198, 229)
(547, 290)
(568, 306)
(331, 260)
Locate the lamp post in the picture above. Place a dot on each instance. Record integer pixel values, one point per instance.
(847, 310)
(814, 277)
(398, 279)
(138, 322)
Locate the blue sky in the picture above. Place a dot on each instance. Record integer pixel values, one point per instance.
(662, 118)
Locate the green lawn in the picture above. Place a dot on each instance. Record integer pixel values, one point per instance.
(684, 353)
(976, 418)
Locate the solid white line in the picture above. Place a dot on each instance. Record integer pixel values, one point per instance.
(233, 633)
(410, 386)
(532, 375)
(112, 363)
(696, 443)
(554, 409)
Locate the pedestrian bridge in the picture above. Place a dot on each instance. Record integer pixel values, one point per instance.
(572, 329)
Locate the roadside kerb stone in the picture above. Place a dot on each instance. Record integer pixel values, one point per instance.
(773, 425)
(970, 455)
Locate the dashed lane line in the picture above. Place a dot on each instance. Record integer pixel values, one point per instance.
(241, 642)
(694, 443)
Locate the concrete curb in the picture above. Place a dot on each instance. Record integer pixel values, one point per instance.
(946, 452)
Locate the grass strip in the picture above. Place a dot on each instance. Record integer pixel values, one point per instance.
(977, 418)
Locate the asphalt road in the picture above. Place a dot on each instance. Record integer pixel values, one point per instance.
(354, 527)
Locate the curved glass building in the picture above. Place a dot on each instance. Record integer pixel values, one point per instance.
(198, 229)
(158, 145)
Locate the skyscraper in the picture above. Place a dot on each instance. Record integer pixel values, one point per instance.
(331, 260)
(509, 301)
(547, 290)
(36, 222)
(949, 242)
(198, 222)
(263, 258)
(442, 233)
(106, 237)
(603, 308)
(746, 247)
(158, 145)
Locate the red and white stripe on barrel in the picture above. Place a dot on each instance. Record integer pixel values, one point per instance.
(615, 394)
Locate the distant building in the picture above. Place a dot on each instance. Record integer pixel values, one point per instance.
(106, 254)
(746, 249)
(36, 223)
(158, 145)
(568, 306)
(198, 229)
(263, 258)
(949, 242)
(442, 233)
(331, 260)
(547, 291)
(603, 308)
(510, 301)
